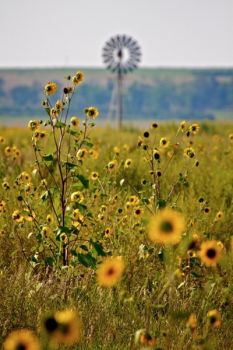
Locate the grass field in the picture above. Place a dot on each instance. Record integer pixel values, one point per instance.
(131, 229)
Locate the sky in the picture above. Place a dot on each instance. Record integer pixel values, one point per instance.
(171, 33)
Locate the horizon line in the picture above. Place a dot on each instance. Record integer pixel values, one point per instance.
(104, 68)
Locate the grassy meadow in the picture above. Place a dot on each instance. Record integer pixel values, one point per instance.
(115, 239)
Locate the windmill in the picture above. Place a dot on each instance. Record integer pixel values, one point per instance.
(121, 54)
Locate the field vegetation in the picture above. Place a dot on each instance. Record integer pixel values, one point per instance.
(115, 239)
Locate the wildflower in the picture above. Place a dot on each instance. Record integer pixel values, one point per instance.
(75, 122)
(49, 219)
(154, 125)
(128, 163)
(34, 124)
(100, 217)
(195, 243)
(24, 177)
(2, 140)
(164, 142)
(22, 339)
(67, 90)
(92, 112)
(94, 153)
(16, 216)
(116, 150)
(2, 207)
(138, 212)
(140, 141)
(134, 200)
(156, 154)
(78, 78)
(158, 173)
(189, 152)
(146, 134)
(206, 210)
(77, 197)
(110, 271)
(112, 165)
(144, 339)
(210, 253)
(108, 232)
(81, 153)
(192, 322)
(50, 88)
(63, 328)
(194, 128)
(218, 216)
(103, 208)
(8, 151)
(78, 216)
(44, 231)
(231, 137)
(197, 163)
(214, 318)
(54, 113)
(183, 125)
(5, 185)
(166, 227)
(125, 147)
(94, 176)
(59, 105)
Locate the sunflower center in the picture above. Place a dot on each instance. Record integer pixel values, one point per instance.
(21, 346)
(213, 319)
(51, 325)
(110, 271)
(211, 253)
(166, 227)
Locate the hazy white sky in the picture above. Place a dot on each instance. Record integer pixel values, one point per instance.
(72, 32)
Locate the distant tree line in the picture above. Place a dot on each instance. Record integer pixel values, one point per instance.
(164, 99)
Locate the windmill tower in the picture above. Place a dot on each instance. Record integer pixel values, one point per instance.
(121, 54)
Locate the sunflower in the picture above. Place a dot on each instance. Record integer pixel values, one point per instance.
(17, 217)
(77, 197)
(194, 128)
(78, 78)
(166, 227)
(214, 318)
(192, 322)
(189, 152)
(210, 253)
(128, 163)
(92, 112)
(50, 88)
(94, 176)
(64, 327)
(75, 122)
(110, 271)
(164, 142)
(22, 339)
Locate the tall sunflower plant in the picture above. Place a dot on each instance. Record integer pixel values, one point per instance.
(60, 181)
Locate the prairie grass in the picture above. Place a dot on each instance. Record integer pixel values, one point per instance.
(162, 285)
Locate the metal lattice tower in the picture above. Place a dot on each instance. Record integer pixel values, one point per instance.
(121, 54)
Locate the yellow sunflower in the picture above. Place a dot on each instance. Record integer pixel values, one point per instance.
(22, 339)
(210, 253)
(214, 318)
(78, 78)
(166, 227)
(50, 88)
(63, 328)
(92, 112)
(110, 271)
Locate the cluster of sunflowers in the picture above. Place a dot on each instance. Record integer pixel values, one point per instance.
(77, 213)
